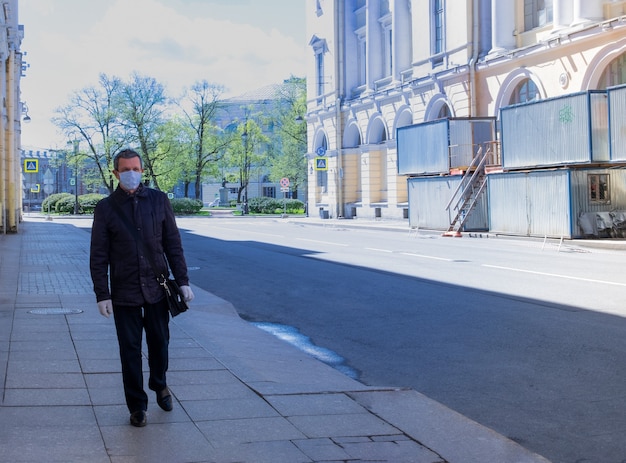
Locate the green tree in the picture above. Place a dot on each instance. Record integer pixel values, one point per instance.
(142, 103)
(246, 154)
(208, 143)
(290, 143)
(174, 152)
(91, 118)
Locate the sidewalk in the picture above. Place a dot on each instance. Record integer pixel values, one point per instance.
(241, 395)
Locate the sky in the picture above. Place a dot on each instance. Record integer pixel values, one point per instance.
(242, 45)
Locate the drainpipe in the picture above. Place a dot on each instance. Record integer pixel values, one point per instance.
(11, 151)
(3, 158)
(339, 82)
(474, 59)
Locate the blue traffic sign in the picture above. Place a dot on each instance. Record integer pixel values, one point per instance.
(321, 163)
(31, 166)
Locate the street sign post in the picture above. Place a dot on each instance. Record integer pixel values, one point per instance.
(284, 184)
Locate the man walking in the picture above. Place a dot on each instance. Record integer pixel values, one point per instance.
(135, 298)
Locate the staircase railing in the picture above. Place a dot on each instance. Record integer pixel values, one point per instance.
(467, 193)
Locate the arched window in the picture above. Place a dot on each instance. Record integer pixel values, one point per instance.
(525, 91)
(614, 74)
(444, 112)
(322, 175)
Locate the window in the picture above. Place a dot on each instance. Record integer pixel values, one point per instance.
(537, 13)
(388, 50)
(319, 49)
(438, 34)
(362, 58)
(387, 37)
(322, 181)
(269, 191)
(444, 112)
(322, 175)
(614, 74)
(525, 91)
(598, 188)
(319, 76)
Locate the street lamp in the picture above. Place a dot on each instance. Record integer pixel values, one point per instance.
(244, 136)
(76, 143)
(26, 117)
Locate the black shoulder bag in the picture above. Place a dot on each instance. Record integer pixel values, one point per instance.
(175, 300)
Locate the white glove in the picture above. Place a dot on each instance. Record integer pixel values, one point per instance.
(187, 293)
(105, 307)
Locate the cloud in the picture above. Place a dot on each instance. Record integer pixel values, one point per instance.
(70, 46)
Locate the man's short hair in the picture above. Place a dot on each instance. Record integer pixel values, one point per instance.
(126, 154)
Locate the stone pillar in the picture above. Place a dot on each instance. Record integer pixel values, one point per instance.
(563, 14)
(502, 25)
(374, 52)
(587, 11)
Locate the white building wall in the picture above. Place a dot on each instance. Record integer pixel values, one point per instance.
(565, 55)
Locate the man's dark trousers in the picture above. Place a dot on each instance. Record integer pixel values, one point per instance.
(129, 323)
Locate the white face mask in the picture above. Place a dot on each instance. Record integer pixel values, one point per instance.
(130, 179)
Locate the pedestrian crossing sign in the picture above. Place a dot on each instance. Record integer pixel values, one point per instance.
(321, 163)
(35, 188)
(31, 166)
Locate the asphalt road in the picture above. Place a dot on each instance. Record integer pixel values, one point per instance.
(526, 338)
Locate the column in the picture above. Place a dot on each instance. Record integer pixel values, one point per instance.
(587, 11)
(502, 25)
(401, 30)
(563, 14)
(374, 52)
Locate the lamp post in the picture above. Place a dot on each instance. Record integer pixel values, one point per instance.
(75, 144)
(244, 136)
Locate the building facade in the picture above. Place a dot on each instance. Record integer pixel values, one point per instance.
(12, 110)
(375, 66)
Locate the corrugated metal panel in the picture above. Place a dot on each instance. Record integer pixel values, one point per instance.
(467, 136)
(617, 124)
(461, 145)
(479, 217)
(533, 203)
(438, 146)
(599, 113)
(545, 133)
(423, 148)
(428, 198)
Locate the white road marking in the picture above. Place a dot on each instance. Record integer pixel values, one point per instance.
(427, 257)
(556, 275)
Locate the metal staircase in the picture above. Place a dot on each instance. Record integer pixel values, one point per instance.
(467, 194)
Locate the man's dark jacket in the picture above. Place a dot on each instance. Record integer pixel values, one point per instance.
(114, 248)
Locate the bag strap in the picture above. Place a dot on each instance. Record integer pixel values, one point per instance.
(138, 239)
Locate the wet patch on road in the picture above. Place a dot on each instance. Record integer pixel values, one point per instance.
(295, 338)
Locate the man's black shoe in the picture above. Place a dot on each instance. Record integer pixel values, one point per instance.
(139, 418)
(164, 399)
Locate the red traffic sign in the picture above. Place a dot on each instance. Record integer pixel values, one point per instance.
(284, 182)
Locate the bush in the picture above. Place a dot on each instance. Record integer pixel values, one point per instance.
(87, 203)
(186, 205)
(50, 203)
(263, 205)
(65, 205)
